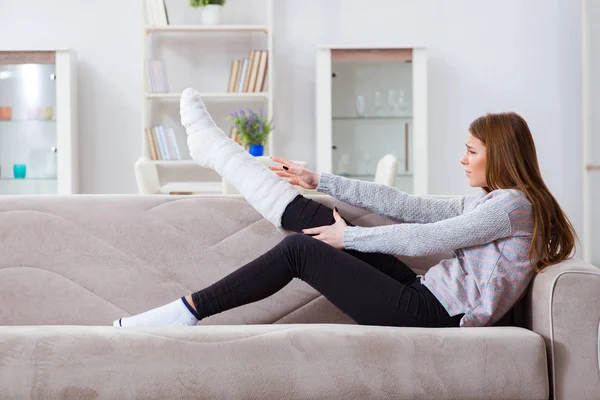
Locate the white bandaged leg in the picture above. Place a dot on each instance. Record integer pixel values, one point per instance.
(211, 148)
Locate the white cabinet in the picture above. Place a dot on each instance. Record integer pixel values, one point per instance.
(38, 122)
(371, 102)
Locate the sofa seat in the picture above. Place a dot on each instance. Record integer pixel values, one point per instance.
(279, 361)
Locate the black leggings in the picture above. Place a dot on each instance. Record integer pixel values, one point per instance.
(371, 288)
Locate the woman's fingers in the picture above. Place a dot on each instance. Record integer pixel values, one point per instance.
(277, 168)
(318, 229)
(283, 174)
(287, 163)
(280, 160)
(292, 178)
(320, 237)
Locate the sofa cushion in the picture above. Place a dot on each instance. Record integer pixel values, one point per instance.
(279, 361)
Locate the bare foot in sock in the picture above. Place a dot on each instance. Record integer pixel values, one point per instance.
(176, 313)
(204, 136)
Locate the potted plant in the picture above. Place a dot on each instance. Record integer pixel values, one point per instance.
(252, 129)
(211, 10)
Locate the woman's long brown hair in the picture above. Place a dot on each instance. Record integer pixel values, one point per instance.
(511, 163)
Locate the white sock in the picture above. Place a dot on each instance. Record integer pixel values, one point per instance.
(211, 148)
(176, 313)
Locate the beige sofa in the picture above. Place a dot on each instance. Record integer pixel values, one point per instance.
(71, 265)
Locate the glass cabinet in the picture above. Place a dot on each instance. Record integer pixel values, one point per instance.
(371, 102)
(37, 122)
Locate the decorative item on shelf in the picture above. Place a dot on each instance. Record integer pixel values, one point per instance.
(40, 112)
(211, 10)
(19, 171)
(252, 129)
(5, 113)
(46, 112)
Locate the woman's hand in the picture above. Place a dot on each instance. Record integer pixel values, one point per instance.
(298, 175)
(331, 234)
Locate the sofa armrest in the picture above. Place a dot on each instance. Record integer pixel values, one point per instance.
(563, 306)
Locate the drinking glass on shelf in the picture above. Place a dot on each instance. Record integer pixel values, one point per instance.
(360, 106)
(401, 107)
(377, 106)
(19, 171)
(392, 104)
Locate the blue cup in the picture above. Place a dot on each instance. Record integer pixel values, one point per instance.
(19, 170)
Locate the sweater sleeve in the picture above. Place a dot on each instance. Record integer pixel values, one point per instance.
(390, 202)
(485, 224)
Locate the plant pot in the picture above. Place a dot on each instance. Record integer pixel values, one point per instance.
(256, 150)
(211, 14)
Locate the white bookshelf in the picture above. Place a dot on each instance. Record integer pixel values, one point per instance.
(222, 32)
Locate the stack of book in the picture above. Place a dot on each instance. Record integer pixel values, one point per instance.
(162, 143)
(249, 74)
(156, 77)
(156, 12)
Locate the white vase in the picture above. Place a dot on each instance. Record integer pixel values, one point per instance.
(211, 14)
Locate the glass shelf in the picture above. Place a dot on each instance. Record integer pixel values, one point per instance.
(374, 117)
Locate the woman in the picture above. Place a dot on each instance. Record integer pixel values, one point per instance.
(500, 237)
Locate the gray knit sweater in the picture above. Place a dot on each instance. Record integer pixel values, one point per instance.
(490, 235)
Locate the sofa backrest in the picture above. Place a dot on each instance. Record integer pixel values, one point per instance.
(90, 259)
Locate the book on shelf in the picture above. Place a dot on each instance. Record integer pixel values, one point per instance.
(262, 72)
(162, 143)
(234, 75)
(249, 74)
(156, 12)
(250, 71)
(156, 77)
(243, 71)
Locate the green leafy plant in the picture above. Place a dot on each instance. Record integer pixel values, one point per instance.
(251, 128)
(202, 3)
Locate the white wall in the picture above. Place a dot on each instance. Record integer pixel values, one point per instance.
(485, 56)
(594, 17)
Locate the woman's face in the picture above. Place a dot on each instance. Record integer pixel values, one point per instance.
(474, 161)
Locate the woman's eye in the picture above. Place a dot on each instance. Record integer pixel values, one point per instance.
(472, 152)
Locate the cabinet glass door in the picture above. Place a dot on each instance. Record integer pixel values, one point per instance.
(28, 134)
(371, 95)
